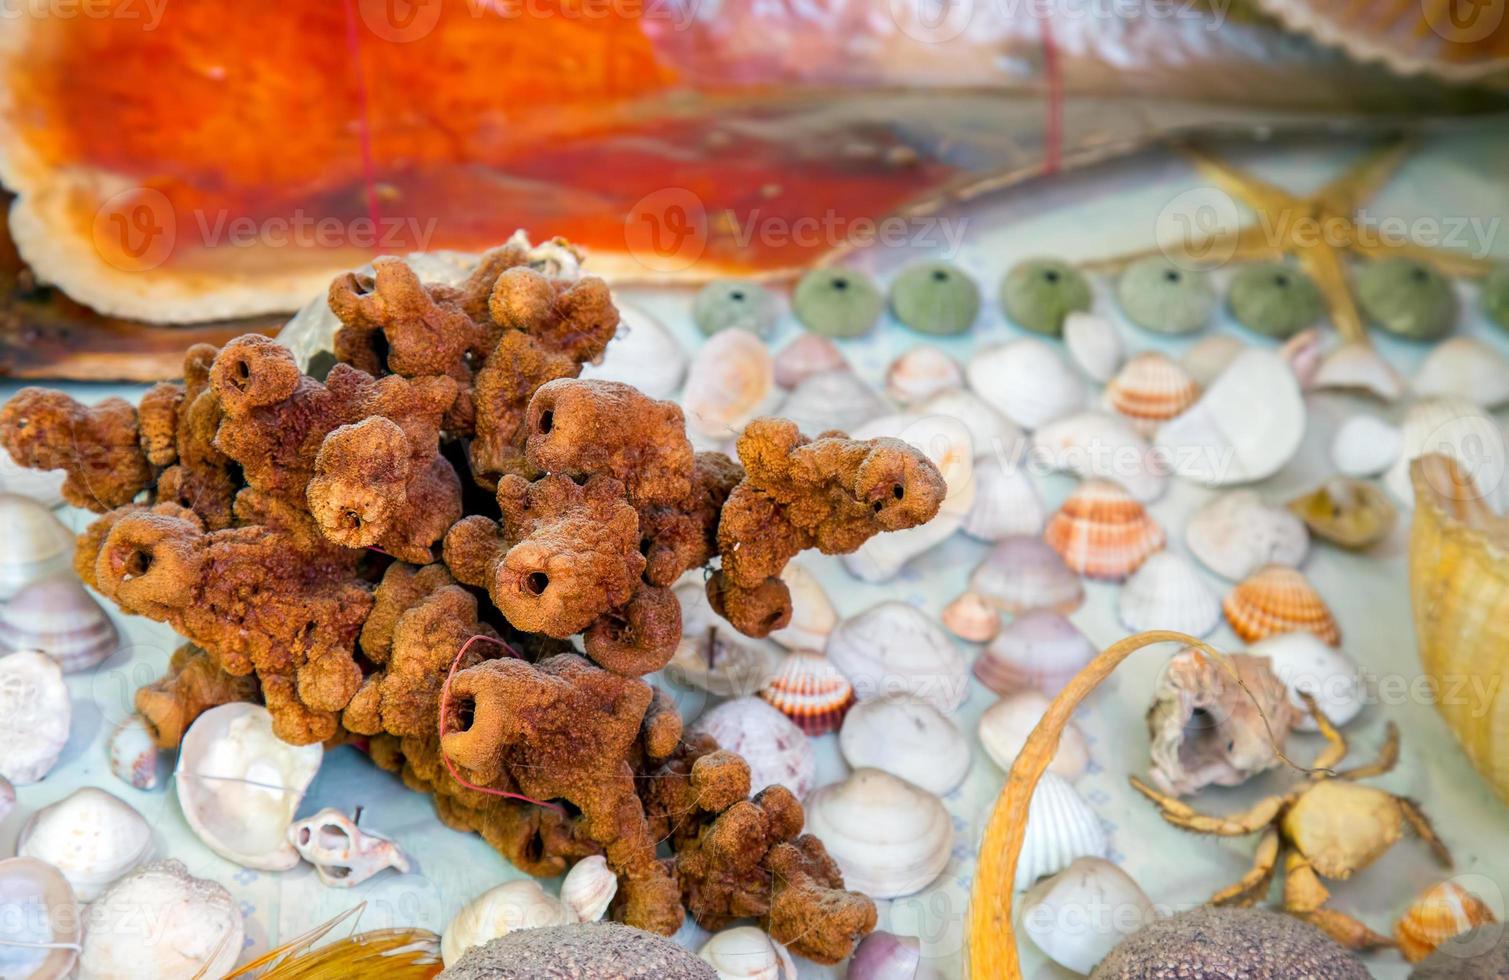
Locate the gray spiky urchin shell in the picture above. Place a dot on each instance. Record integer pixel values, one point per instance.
(1479, 954)
(1220, 944)
(585, 951)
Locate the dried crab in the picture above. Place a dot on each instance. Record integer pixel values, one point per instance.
(1328, 827)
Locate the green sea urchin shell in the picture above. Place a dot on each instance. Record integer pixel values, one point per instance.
(1039, 293)
(935, 298)
(725, 304)
(1207, 943)
(1274, 299)
(1158, 295)
(1496, 296)
(837, 302)
(1407, 298)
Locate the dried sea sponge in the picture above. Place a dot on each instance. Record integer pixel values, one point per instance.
(678, 537)
(178, 427)
(98, 446)
(193, 685)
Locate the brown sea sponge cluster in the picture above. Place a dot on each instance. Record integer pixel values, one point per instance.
(416, 548)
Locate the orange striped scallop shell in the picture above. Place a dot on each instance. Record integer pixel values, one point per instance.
(1277, 599)
(810, 691)
(1149, 390)
(1442, 912)
(1102, 531)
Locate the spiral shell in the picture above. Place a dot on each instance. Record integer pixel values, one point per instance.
(1278, 600)
(810, 691)
(1150, 389)
(1442, 912)
(1102, 532)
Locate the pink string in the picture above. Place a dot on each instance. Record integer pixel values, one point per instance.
(445, 705)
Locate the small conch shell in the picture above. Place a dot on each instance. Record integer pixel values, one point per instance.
(1365, 446)
(920, 373)
(134, 756)
(511, 906)
(1236, 534)
(907, 738)
(839, 400)
(1358, 366)
(90, 836)
(1005, 725)
(1093, 345)
(344, 855)
(895, 648)
(1210, 722)
(1039, 650)
(1061, 828)
(972, 617)
(1347, 512)
(747, 953)
(37, 544)
(1167, 593)
(1277, 599)
(778, 752)
(40, 908)
(810, 691)
(642, 353)
(35, 714)
(59, 617)
(1442, 912)
(196, 928)
(808, 354)
(1027, 381)
(1150, 389)
(1102, 532)
(889, 837)
(731, 380)
(1244, 428)
(1006, 502)
(812, 614)
(1102, 445)
(1464, 367)
(588, 888)
(1021, 573)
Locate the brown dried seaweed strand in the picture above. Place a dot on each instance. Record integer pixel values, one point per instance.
(393, 954)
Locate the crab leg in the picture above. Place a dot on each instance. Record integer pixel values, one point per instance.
(1254, 884)
(1303, 897)
(1388, 757)
(1422, 827)
(1344, 929)
(1237, 825)
(1336, 743)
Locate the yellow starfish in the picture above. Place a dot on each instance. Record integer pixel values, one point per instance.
(1316, 229)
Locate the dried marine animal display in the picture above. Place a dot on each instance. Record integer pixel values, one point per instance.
(401, 550)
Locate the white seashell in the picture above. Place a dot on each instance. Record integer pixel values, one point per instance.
(343, 854)
(832, 400)
(1464, 367)
(1005, 726)
(747, 953)
(805, 356)
(588, 888)
(1006, 502)
(511, 906)
(1365, 446)
(37, 544)
(34, 716)
(59, 617)
(730, 382)
(812, 614)
(778, 752)
(40, 908)
(712, 656)
(1305, 662)
(947, 443)
(1236, 534)
(1304, 354)
(1061, 828)
(894, 648)
(239, 785)
(90, 836)
(1455, 428)
(921, 373)
(889, 837)
(134, 756)
(1209, 356)
(972, 617)
(1093, 344)
(906, 738)
(161, 923)
(43, 486)
(887, 956)
(1358, 366)
(1079, 915)
(1027, 381)
(1167, 593)
(1039, 650)
(1023, 572)
(7, 798)
(1246, 426)
(992, 433)
(642, 353)
(1099, 445)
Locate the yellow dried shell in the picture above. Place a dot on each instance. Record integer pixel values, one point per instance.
(1352, 513)
(1440, 913)
(1277, 599)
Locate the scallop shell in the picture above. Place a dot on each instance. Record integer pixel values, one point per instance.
(1236, 534)
(907, 738)
(1022, 573)
(731, 380)
(1005, 726)
(1277, 599)
(1093, 345)
(832, 400)
(134, 756)
(894, 648)
(805, 356)
(1039, 650)
(747, 953)
(194, 928)
(240, 785)
(37, 544)
(1350, 513)
(35, 714)
(1150, 389)
(1224, 438)
(1442, 912)
(642, 353)
(971, 617)
(889, 837)
(1079, 915)
(1365, 446)
(1358, 366)
(812, 614)
(1209, 356)
(712, 656)
(588, 888)
(778, 752)
(1464, 367)
(1305, 663)
(59, 617)
(343, 854)
(1099, 445)
(1006, 502)
(992, 433)
(1061, 828)
(40, 909)
(1102, 532)
(810, 691)
(43, 486)
(1027, 381)
(921, 373)
(1167, 593)
(90, 836)
(511, 906)
(1459, 429)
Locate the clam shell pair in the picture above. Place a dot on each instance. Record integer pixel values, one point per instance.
(1005, 726)
(35, 715)
(1040, 650)
(1236, 534)
(59, 617)
(907, 738)
(90, 836)
(889, 837)
(894, 648)
(1102, 532)
(37, 544)
(193, 927)
(777, 751)
(586, 892)
(1277, 599)
(1022, 573)
(810, 691)
(1168, 593)
(1244, 428)
(1149, 390)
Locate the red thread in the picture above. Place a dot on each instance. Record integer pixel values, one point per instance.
(364, 119)
(1053, 136)
(445, 706)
